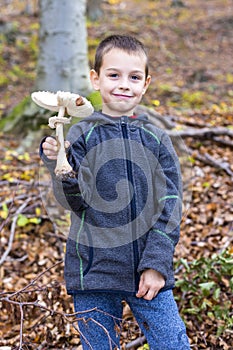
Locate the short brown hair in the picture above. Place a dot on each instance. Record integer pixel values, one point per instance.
(126, 43)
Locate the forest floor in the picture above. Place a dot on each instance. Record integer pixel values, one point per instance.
(190, 49)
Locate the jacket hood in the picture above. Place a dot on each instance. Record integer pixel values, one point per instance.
(104, 118)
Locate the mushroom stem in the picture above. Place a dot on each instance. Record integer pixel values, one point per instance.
(63, 169)
(76, 106)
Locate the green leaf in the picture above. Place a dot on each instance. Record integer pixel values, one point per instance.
(35, 221)
(217, 293)
(4, 212)
(185, 263)
(191, 311)
(22, 220)
(207, 285)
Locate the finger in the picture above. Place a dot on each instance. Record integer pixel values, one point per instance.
(52, 157)
(50, 147)
(50, 154)
(151, 294)
(141, 291)
(67, 144)
(51, 140)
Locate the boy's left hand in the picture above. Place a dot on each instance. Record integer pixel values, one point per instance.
(151, 282)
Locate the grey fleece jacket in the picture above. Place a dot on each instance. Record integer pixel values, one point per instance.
(125, 203)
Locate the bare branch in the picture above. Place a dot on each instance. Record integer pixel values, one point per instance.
(223, 142)
(202, 132)
(208, 159)
(17, 299)
(135, 343)
(159, 120)
(35, 279)
(12, 232)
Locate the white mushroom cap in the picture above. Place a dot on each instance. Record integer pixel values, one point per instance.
(76, 105)
(46, 99)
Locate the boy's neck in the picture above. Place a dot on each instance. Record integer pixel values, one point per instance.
(119, 116)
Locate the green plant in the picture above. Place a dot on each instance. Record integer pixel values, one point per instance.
(193, 99)
(166, 89)
(205, 290)
(3, 80)
(33, 46)
(95, 99)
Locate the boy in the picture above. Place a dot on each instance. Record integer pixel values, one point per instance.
(125, 204)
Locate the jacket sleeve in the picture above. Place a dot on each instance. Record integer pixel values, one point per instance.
(68, 192)
(164, 233)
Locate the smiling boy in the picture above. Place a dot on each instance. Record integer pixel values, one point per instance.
(122, 80)
(125, 205)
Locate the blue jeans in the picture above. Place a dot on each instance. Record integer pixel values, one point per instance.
(158, 319)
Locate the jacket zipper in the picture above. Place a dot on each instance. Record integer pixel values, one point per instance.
(124, 123)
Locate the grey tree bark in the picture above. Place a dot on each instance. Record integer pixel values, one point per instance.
(63, 62)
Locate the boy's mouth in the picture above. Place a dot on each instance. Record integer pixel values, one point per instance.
(123, 96)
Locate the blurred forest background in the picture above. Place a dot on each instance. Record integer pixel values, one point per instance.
(190, 49)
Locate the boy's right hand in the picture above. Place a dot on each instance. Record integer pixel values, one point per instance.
(50, 147)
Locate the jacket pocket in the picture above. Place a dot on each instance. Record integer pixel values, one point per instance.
(87, 251)
(90, 260)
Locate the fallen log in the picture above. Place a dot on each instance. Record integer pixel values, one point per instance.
(207, 133)
(178, 132)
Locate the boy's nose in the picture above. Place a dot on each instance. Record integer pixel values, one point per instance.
(124, 84)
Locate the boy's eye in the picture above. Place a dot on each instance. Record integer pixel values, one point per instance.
(113, 75)
(135, 77)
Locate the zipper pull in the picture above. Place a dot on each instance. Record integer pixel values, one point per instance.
(124, 119)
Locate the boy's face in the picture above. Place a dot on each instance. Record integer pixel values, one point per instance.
(121, 81)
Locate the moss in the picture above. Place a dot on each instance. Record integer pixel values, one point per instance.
(24, 117)
(7, 122)
(96, 100)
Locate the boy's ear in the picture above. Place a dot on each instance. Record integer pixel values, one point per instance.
(147, 83)
(94, 79)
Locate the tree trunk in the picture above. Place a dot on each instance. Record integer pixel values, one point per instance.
(94, 11)
(62, 62)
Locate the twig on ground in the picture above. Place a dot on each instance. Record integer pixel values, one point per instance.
(12, 232)
(69, 317)
(208, 159)
(223, 142)
(135, 343)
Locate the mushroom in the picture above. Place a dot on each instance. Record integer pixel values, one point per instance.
(62, 102)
